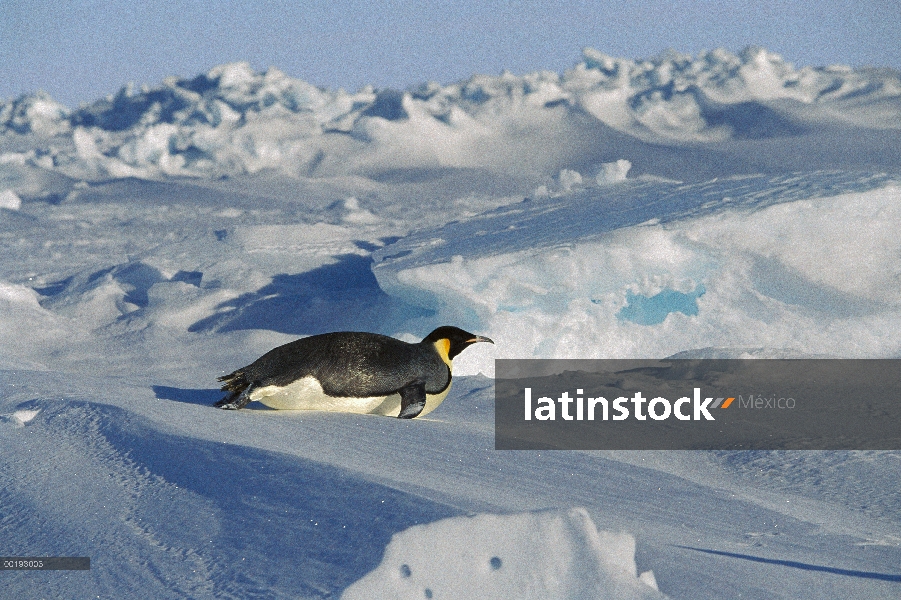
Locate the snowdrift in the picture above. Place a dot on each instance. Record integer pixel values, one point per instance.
(652, 269)
(547, 556)
(712, 206)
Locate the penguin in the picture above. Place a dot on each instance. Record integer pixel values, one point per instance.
(350, 371)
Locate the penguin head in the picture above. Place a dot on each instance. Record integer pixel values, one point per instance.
(451, 341)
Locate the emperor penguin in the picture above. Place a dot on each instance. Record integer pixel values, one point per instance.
(350, 371)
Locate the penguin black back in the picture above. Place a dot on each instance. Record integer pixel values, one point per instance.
(352, 365)
(346, 363)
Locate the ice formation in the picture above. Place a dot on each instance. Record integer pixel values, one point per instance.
(648, 270)
(233, 120)
(711, 206)
(549, 555)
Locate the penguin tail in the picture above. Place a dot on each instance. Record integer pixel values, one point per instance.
(234, 382)
(238, 388)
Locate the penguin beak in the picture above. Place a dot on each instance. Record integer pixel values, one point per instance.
(480, 338)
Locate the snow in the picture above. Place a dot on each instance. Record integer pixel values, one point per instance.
(603, 264)
(711, 206)
(10, 200)
(547, 555)
(233, 120)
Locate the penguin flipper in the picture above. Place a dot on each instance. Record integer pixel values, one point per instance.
(236, 400)
(412, 400)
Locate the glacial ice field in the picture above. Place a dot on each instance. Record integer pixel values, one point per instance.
(716, 205)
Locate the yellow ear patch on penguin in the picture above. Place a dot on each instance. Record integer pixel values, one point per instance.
(443, 346)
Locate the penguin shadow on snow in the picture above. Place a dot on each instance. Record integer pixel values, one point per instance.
(342, 296)
(200, 397)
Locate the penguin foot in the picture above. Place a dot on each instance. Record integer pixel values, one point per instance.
(412, 400)
(235, 401)
(226, 404)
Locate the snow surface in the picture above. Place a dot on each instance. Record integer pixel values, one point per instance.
(544, 555)
(583, 274)
(716, 205)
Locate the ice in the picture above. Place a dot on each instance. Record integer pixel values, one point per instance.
(20, 418)
(613, 172)
(37, 113)
(234, 120)
(10, 200)
(544, 274)
(717, 205)
(27, 330)
(546, 555)
(569, 178)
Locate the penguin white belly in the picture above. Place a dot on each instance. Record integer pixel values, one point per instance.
(307, 394)
(433, 400)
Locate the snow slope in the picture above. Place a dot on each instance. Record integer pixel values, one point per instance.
(651, 269)
(717, 205)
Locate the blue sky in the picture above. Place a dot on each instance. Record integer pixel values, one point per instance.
(82, 50)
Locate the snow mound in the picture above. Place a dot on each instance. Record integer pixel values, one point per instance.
(10, 200)
(613, 172)
(542, 555)
(647, 270)
(20, 418)
(233, 120)
(27, 330)
(37, 113)
(719, 95)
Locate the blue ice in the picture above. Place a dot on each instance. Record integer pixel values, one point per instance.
(652, 310)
